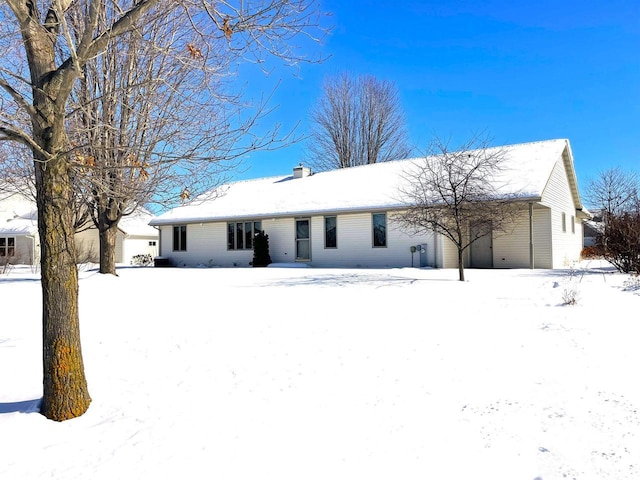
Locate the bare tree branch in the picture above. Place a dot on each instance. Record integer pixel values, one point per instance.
(615, 197)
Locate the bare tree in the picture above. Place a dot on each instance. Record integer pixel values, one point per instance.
(621, 240)
(613, 191)
(615, 194)
(357, 121)
(458, 194)
(46, 58)
(138, 112)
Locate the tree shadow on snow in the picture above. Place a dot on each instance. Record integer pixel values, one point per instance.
(15, 280)
(25, 406)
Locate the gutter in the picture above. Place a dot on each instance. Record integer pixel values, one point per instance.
(159, 252)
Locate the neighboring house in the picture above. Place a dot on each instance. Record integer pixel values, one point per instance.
(345, 218)
(20, 244)
(592, 231)
(135, 237)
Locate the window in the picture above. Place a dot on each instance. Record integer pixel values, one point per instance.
(7, 246)
(564, 222)
(152, 243)
(573, 224)
(379, 229)
(240, 234)
(248, 235)
(180, 238)
(330, 232)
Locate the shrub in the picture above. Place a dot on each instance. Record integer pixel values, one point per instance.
(143, 259)
(5, 266)
(591, 252)
(570, 295)
(261, 257)
(621, 241)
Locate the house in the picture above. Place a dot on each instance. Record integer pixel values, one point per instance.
(134, 237)
(345, 218)
(593, 229)
(20, 244)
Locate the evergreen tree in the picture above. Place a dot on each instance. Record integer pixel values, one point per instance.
(261, 257)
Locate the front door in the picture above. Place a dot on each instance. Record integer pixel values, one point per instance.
(482, 251)
(303, 240)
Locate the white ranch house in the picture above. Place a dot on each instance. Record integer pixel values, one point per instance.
(345, 218)
(20, 244)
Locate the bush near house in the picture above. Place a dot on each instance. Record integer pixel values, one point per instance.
(261, 257)
(621, 241)
(142, 259)
(591, 252)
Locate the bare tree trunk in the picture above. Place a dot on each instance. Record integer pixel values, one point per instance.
(108, 236)
(65, 387)
(65, 392)
(460, 265)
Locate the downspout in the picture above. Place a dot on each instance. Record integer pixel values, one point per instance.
(435, 248)
(34, 259)
(159, 252)
(125, 235)
(531, 252)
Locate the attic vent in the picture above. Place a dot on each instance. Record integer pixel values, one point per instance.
(300, 171)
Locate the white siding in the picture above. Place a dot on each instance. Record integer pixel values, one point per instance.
(206, 245)
(512, 250)
(355, 244)
(557, 195)
(449, 254)
(120, 248)
(542, 238)
(88, 246)
(282, 242)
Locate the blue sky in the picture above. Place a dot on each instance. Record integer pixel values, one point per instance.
(521, 71)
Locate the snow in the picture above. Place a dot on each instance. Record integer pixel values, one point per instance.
(329, 373)
(367, 187)
(12, 223)
(137, 224)
(19, 226)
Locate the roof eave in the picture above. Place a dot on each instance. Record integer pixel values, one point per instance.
(287, 214)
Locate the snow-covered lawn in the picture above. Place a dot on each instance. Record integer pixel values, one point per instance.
(298, 374)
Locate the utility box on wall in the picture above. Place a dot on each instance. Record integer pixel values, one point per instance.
(422, 251)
